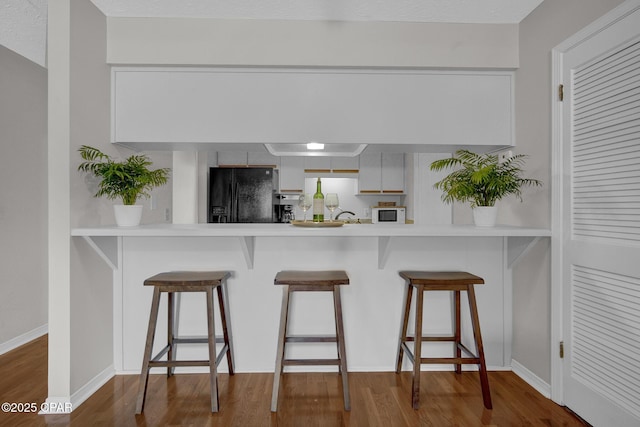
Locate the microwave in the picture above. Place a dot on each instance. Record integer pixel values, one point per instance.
(388, 214)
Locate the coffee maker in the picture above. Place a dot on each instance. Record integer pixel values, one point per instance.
(284, 208)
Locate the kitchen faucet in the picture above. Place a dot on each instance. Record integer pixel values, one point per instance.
(344, 212)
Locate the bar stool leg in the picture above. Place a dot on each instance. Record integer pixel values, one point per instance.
(170, 331)
(148, 348)
(484, 380)
(403, 327)
(212, 351)
(223, 303)
(282, 336)
(457, 329)
(342, 354)
(417, 349)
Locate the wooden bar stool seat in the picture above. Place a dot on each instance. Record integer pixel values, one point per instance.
(456, 282)
(315, 281)
(188, 281)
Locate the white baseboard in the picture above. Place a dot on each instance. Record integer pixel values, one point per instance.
(222, 370)
(532, 379)
(92, 386)
(16, 342)
(63, 405)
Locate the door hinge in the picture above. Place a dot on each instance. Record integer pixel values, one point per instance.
(561, 92)
(561, 349)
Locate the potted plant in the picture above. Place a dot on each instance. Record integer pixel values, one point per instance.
(482, 180)
(127, 180)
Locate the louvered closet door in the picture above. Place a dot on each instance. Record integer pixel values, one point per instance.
(601, 271)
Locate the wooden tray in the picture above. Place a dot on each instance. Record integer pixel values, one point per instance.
(312, 224)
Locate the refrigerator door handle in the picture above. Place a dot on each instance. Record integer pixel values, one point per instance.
(229, 213)
(235, 204)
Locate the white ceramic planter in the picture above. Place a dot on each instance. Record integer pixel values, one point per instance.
(128, 215)
(485, 216)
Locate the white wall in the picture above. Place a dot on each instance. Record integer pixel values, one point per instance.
(80, 283)
(311, 43)
(91, 294)
(23, 200)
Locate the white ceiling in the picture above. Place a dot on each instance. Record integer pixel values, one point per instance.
(23, 22)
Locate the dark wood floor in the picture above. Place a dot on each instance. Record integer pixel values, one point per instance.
(377, 399)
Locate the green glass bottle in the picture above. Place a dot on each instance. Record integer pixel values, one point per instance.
(318, 203)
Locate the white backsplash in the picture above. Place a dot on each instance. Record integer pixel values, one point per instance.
(347, 190)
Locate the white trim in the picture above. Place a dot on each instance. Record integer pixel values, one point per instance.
(84, 392)
(557, 320)
(406, 368)
(16, 342)
(557, 386)
(64, 405)
(532, 379)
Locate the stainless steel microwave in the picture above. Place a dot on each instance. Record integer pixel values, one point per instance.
(388, 215)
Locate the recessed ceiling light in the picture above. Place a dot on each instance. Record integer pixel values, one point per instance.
(303, 149)
(315, 146)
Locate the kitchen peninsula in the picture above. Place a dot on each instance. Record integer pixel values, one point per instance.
(371, 254)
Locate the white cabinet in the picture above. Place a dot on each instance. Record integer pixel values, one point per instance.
(344, 164)
(317, 164)
(381, 173)
(262, 159)
(370, 175)
(292, 174)
(392, 173)
(185, 107)
(326, 164)
(232, 158)
(243, 158)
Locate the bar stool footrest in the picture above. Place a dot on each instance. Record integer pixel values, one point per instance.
(473, 360)
(448, 360)
(173, 363)
(177, 363)
(431, 338)
(311, 338)
(196, 340)
(307, 362)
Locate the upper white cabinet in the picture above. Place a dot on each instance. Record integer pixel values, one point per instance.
(381, 173)
(247, 159)
(370, 176)
(292, 174)
(322, 164)
(232, 158)
(317, 164)
(235, 106)
(392, 179)
(344, 164)
(262, 159)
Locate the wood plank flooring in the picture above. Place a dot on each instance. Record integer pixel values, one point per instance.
(309, 400)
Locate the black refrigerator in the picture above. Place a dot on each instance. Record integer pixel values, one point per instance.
(241, 195)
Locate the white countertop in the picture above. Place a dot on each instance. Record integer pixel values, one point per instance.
(285, 230)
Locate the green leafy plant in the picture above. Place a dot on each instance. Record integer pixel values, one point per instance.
(480, 178)
(128, 180)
